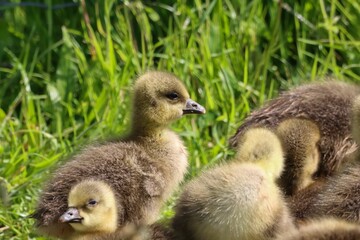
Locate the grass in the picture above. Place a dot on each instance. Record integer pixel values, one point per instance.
(66, 74)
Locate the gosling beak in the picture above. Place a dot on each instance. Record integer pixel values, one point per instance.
(193, 107)
(72, 215)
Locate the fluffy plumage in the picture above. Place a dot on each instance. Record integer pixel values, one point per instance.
(301, 203)
(328, 104)
(339, 195)
(355, 119)
(299, 139)
(154, 231)
(260, 146)
(324, 229)
(239, 200)
(143, 169)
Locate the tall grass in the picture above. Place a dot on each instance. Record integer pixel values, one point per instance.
(66, 75)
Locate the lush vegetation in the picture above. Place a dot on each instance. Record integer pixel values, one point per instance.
(66, 70)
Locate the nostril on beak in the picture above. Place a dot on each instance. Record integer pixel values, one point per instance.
(192, 107)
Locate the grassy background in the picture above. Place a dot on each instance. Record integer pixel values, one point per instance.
(66, 70)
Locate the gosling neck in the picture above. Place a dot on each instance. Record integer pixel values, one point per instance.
(143, 129)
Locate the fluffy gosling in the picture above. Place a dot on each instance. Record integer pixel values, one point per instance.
(239, 200)
(143, 168)
(328, 104)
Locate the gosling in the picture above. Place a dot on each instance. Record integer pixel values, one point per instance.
(338, 196)
(328, 104)
(300, 138)
(239, 200)
(91, 209)
(143, 168)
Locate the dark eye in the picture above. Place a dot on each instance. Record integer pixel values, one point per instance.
(172, 96)
(92, 202)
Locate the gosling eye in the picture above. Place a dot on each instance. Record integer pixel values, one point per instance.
(92, 203)
(172, 95)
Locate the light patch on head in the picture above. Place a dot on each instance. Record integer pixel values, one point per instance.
(155, 84)
(159, 99)
(300, 139)
(262, 147)
(83, 191)
(309, 169)
(96, 204)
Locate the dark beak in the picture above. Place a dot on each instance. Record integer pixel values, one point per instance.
(72, 215)
(193, 107)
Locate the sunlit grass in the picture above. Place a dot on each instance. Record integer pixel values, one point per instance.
(65, 82)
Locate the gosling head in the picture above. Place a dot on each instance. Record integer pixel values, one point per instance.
(262, 147)
(159, 99)
(300, 138)
(92, 208)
